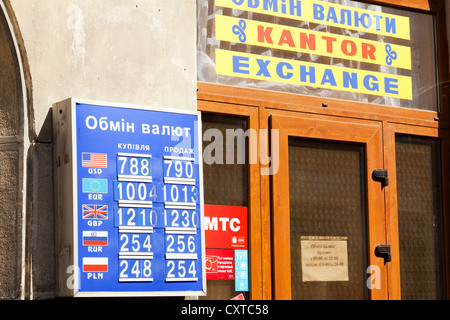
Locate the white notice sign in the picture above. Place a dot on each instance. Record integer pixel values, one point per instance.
(324, 258)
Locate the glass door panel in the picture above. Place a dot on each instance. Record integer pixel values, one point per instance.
(226, 184)
(327, 207)
(420, 221)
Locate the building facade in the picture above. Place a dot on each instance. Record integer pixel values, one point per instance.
(325, 130)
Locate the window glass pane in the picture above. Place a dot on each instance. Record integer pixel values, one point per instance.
(420, 218)
(225, 182)
(319, 50)
(326, 195)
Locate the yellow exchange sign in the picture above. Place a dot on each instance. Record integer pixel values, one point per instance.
(311, 42)
(252, 66)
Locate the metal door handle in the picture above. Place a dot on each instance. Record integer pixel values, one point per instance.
(383, 251)
(381, 175)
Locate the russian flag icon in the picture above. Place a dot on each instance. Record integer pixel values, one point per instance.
(95, 238)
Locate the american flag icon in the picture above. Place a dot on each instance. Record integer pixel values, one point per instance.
(93, 211)
(94, 160)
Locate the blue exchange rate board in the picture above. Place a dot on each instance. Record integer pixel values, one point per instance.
(139, 201)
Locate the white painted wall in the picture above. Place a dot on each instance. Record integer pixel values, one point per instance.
(129, 51)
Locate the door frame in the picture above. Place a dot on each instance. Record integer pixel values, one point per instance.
(254, 224)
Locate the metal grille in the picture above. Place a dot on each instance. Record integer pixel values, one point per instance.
(419, 218)
(326, 195)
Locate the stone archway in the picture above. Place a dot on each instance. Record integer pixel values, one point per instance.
(11, 163)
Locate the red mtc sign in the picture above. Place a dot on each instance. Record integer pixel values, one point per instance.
(225, 227)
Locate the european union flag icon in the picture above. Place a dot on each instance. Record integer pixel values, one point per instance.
(95, 185)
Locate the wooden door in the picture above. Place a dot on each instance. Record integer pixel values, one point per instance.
(311, 262)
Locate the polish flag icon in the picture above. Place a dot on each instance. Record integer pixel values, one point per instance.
(95, 264)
